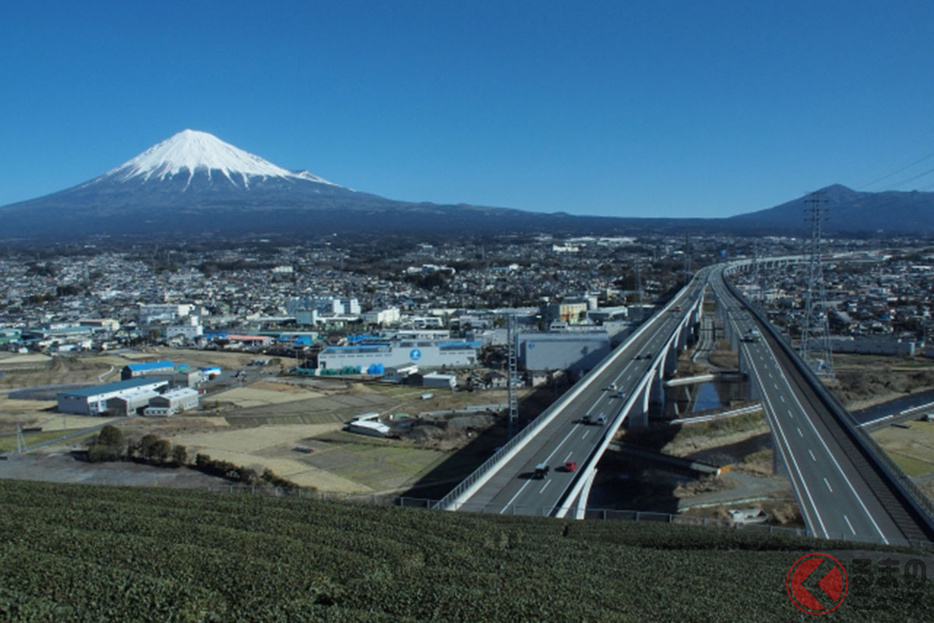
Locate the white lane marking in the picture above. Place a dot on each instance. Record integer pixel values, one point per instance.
(849, 484)
(813, 458)
(584, 436)
(784, 447)
(847, 520)
(513, 498)
(829, 488)
(800, 434)
(568, 456)
(547, 482)
(782, 397)
(547, 458)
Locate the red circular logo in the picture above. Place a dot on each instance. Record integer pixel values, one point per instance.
(816, 583)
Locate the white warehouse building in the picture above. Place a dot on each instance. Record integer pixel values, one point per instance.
(427, 354)
(93, 400)
(173, 401)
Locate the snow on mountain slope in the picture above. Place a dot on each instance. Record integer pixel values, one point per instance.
(191, 151)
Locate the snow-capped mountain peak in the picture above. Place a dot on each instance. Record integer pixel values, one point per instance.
(191, 151)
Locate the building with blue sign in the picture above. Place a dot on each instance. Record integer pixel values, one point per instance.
(368, 356)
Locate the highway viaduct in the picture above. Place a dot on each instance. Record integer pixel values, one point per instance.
(845, 487)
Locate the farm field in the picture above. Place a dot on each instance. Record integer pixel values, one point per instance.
(83, 552)
(290, 425)
(912, 447)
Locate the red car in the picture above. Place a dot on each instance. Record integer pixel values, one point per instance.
(570, 466)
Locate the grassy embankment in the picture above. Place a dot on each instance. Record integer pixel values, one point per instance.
(79, 553)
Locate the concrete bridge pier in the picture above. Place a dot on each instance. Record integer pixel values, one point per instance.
(681, 338)
(755, 393)
(656, 390)
(639, 412)
(669, 363)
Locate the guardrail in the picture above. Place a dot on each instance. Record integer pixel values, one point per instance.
(910, 492)
(581, 479)
(480, 475)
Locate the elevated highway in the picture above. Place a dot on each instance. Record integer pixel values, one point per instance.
(844, 487)
(624, 385)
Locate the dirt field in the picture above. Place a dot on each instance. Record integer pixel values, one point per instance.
(264, 393)
(912, 448)
(291, 425)
(229, 360)
(55, 371)
(864, 381)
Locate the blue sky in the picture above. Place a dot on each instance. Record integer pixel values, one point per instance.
(625, 108)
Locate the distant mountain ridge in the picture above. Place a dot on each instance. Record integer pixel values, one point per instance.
(847, 211)
(195, 184)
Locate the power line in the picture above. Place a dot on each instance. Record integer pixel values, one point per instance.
(896, 172)
(911, 179)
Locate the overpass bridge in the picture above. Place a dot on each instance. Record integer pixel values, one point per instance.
(846, 488)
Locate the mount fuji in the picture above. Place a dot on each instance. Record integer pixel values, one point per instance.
(198, 156)
(194, 183)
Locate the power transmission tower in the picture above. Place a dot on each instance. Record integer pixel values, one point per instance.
(756, 283)
(512, 336)
(815, 337)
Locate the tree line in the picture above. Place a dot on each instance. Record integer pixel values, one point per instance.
(112, 445)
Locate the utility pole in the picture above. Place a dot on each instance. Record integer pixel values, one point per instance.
(512, 336)
(639, 280)
(687, 256)
(757, 284)
(816, 322)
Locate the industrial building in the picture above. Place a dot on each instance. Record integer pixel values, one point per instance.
(131, 403)
(382, 317)
(146, 368)
(188, 328)
(368, 357)
(576, 351)
(172, 402)
(93, 400)
(436, 379)
(161, 313)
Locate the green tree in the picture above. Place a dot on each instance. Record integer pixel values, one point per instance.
(111, 436)
(146, 446)
(179, 455)
(109, 445)
(161, 450)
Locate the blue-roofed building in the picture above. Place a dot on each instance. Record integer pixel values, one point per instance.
(136, 370)
(93, 400)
